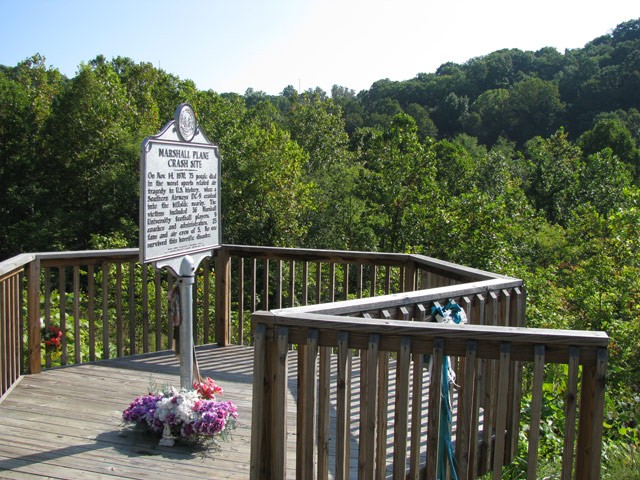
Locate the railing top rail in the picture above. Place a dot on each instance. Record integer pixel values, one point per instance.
(448, 268)
(300, 254)
(82, 254)
(14, 263)
(319, 255)
(358, 305)
(523, 340)
(378, 258)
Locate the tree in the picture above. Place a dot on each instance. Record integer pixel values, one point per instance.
(456, 168)
(612, 134)
(603, 181)
(267, 199)
(554, 181)
(94, 160)
(426, 126)
(493, 109)
(535, 108)
(316, 124)
(27, 93)
(399, 186)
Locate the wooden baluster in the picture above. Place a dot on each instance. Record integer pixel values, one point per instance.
(207, 315)
(387, 280)
(368, 409)
(292, 283)
(265, 284)
(47, 311)
(280, 364)
(77, 342)
(433, 422)
(261, 413)
(324, 391)
(343, 417)
(401, 420)
(571, 404)
(307, 404)
(536, 409)
(132, 308)
(305, 283)
(518, 315)
(416, 416)
(157, 284)
(332, 282)
(223, 298)
(382, 413)
(254, 285)
(105, 310)
(62, 290)
(588, 450)
(240, 303)
(467, 418)
(91, 311)
(318, 282)
(345, 269)
(279, 284)
(119, 342)
(374, 280)
(501, 410)
(145, 307)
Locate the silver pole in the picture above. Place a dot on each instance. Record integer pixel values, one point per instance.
(186, 280)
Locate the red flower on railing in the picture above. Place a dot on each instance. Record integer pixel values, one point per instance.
(207, 389)
(51, 337)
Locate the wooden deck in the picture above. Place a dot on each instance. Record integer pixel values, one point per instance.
(66, 423)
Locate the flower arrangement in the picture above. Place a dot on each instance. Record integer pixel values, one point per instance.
(189, 415)
(51, 337)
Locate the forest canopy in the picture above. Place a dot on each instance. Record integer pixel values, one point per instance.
(520, 162)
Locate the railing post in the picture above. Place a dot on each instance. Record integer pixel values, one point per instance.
(260, 412)
(410, 276)
(588, 450)
(33, 316)
(223, 297)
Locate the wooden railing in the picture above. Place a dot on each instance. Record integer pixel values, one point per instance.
(374, 305)
(397, 431)
(108, 305)
(11, 326)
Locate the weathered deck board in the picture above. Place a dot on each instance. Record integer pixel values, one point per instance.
(66, 423)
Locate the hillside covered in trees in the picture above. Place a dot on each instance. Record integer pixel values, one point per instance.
(523, 163)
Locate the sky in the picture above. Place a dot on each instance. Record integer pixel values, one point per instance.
(267, 45)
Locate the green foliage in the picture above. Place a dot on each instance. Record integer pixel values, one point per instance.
(265, 185)
(553, 185)
(523, 163)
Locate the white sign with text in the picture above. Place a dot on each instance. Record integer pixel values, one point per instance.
(179, 191)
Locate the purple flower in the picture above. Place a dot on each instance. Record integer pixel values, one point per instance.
(187, 413)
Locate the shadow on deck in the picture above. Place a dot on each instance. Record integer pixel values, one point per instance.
(66, 423)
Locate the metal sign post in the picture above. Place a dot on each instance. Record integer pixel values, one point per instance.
(180, 212)
(186, 280)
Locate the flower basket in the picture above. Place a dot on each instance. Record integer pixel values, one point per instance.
(51, 337)
(187, 415)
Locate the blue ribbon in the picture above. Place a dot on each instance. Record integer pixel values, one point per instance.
(445, 450)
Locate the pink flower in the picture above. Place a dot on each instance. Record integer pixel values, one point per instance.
(207, 389)
(51, 336)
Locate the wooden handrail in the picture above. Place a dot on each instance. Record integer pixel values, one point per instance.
(476, 348)
(104, 297)
(372, 304)
(11, 329)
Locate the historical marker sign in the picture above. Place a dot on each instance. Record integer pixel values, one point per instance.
(179, 191)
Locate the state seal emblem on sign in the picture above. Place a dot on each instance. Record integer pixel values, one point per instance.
(186, 122)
